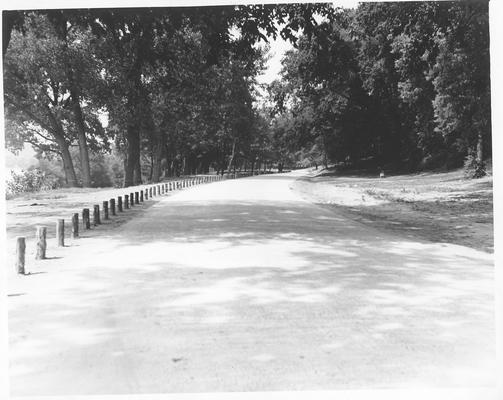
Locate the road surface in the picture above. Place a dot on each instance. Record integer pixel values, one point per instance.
(242, 285)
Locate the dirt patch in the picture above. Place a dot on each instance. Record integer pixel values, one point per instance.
(26, 211)
(438, 207)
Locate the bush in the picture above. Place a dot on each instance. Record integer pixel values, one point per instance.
(32, 180)
(473, 168)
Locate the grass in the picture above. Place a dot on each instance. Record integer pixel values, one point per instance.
(433, 206)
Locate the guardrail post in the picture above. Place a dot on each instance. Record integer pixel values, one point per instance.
(41, 242)
(75, 226)
(20, 254)
(136, 197)
(105, 210)
(96, 215)
(119, 203)
(60, 232)
(131, 199)
(112, 206)
(126, 201)
(141, 196)
(86, 221)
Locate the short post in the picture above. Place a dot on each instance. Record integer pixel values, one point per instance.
(41, 242)
(86, 221)
(75, 226)
(126, 201)
(146, 194)
(162, 189)
(166, 187)
(60, 232)
(105, 210)
(20, 254)
(141, 196)
(150, 191)
(136, 197)
(112, 206)
(119, 203)
(131, 199)
(159, 190)
(96, 215)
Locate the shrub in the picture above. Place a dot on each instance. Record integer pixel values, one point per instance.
(31, 180)
(473, 168)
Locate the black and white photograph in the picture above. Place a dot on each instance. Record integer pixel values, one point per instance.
(251, 199)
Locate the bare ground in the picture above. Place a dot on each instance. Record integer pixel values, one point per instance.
(26, 211)
(437, 207)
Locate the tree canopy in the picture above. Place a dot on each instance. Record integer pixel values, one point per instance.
(399, 84)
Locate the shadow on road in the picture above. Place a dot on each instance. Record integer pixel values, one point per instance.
(357, 301)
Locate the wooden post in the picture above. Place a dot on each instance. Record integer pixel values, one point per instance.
(119, 203)
(126, 201)
(136, 197)
(41, 242)
(131, 199)
(112, 206)
(86, 221)
(96, 215)
(105, 210)
(20, 254)
(146, 194)
(75, 226)
(141, 196)
(150, 191)
(60, 232)
(159, 190)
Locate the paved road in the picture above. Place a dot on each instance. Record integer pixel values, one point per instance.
(243, 286)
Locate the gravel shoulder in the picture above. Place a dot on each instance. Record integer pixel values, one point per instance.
(436, 207)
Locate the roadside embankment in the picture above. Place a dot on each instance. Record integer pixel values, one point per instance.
(438, 207)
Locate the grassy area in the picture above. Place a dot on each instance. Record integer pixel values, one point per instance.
(27, 210)
(440, 207)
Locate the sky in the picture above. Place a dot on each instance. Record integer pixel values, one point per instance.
(280, 46)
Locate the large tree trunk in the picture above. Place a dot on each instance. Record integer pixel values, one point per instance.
(159, 146)
(231, 159)
(60, 23)
(137, 178)
(82, 140)
(480, 167)
(132, 154)
(63, 146)
(70, 176)
(480, 149)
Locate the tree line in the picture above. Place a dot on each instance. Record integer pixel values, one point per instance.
(390, 85)
(177, 85)
(393, 84)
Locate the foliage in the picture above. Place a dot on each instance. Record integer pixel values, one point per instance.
(406, 84)
(393, 84)
(31, 180)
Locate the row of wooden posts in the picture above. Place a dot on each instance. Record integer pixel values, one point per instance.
(109, 208)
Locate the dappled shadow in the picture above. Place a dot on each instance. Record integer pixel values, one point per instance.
(263, 287)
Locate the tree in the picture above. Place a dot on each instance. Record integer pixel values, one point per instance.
(36, 104)
(462, 83)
